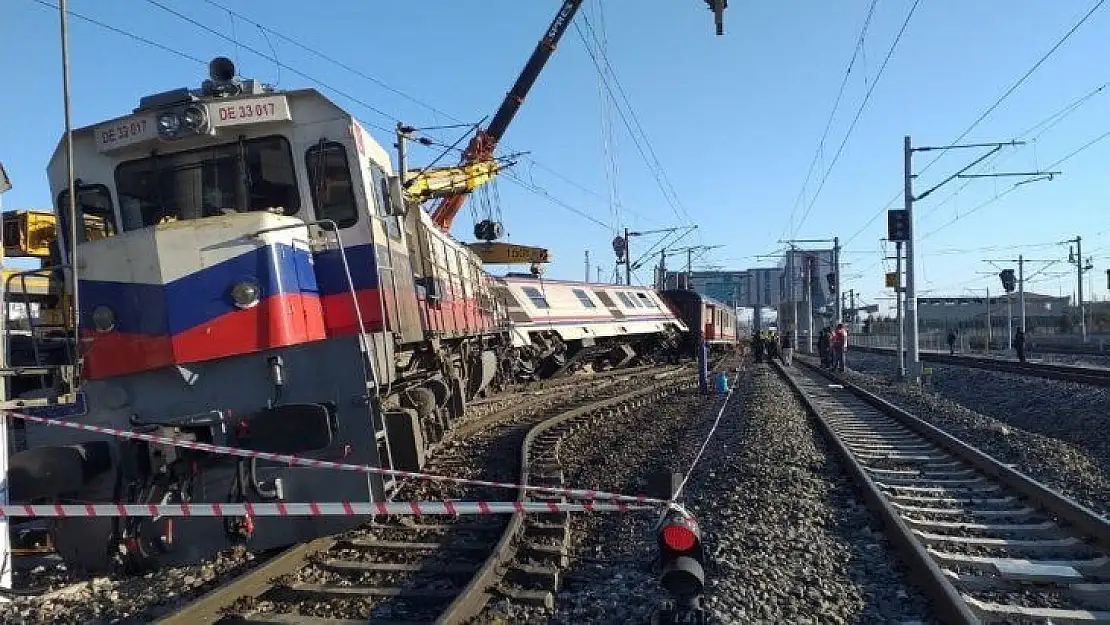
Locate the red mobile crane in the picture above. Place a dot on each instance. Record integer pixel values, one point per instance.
(477, 166)
(481, 147)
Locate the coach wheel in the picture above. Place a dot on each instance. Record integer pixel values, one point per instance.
(84, 544)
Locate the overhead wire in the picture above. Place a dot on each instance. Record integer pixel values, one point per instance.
(1048, 124)
(999, 196)
(605, 69)
(273, 58)
(1006, 94)
(832, 115)
(859, 113)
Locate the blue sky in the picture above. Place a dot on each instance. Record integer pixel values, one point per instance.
(734, 122)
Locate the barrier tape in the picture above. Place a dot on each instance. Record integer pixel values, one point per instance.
(311, 509)
(570, 493)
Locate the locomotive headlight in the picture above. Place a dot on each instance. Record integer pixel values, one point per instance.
(169, 123)
(194, 117)
(103, 319)
(245, 294)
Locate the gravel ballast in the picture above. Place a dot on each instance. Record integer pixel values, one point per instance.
(1053, 430)
(790, 540)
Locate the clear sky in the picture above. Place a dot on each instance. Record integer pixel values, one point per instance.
(734, 122)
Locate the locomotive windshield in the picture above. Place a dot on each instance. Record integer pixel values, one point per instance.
(248, 175)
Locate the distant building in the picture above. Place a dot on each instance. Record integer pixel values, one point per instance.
(729, 287)
(1042, 312)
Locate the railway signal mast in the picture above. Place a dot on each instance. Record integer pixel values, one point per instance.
(1075, 257)
(913, 360)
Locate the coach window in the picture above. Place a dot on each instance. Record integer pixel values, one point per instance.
(584, 298)
(94, 204)
(329, 179)
(624, 298)
(604, 298)
(646, 301)
(538, 300)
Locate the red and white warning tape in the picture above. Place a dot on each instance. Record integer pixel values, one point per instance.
(570, 493)
(312, 509)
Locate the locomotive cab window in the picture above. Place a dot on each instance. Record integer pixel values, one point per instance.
(584, 298)
(538, 300)
(94, 205)
(242, 176)
(329, 179)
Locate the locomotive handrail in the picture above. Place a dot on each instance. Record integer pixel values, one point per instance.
(22, 275)
(392, 278)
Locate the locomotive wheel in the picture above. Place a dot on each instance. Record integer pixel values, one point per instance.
(84, 544)
(458, 399)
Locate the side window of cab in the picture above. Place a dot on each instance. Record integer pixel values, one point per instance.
(381, 198)
(329, 179)
(94, 205)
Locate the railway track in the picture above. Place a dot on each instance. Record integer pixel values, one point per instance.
(988, 543)
(413, 570)
(1068, 373)
(31, 538)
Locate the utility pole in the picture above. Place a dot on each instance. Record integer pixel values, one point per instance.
(662, 270)
(914, 360)
(987, 346)
(1076, 257)
(689, 265)
(852, 303)
(627, 259)
(5, 535)
(836, 271)
(808, 299)
(622, 247)
(1021, 292)
(809, 278)
(587, 265)
(899, 307)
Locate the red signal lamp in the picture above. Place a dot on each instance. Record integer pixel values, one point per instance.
(681, 557)
(679, 538)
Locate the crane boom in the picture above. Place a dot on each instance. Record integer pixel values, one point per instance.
(482, 145)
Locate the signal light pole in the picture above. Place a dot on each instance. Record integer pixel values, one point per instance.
(913, 364)
(681, 569)
(1076, 258)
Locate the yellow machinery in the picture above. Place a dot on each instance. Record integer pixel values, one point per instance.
(446, 182)
(32, 234)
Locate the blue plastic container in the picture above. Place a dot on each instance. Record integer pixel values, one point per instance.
(721, 383)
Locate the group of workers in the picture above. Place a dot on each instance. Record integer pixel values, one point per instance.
(832, 345)
(773, 345)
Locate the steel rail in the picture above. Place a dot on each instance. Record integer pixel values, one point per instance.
(1066, 373)
(473, 599)
(949, 602)
(214, 606)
